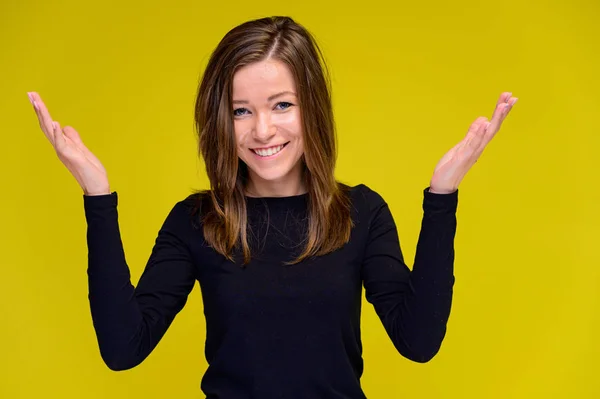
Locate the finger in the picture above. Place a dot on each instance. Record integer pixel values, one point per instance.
(47, 132)
(71, 133)
(504, 97)
(503, 107)
(480, 141)
(459, 149)
(501, 103)
(477, 140)
(474, 128)
(42, 112)
(75, 138)
(57, 136)
(510, 103)
(43, 115)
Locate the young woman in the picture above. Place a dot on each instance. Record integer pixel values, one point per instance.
(280, 248)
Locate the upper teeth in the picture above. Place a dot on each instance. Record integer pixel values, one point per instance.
(269, 151)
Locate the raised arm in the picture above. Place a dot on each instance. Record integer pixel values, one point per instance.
(130, 322)
(413, 306)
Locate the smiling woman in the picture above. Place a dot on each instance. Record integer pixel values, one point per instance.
(280, 248)
(266, 125)
(255, 140)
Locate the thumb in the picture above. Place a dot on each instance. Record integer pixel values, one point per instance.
(72, 135)
(58, 139)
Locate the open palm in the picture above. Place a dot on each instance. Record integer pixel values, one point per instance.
(455, 164)
(83, 165)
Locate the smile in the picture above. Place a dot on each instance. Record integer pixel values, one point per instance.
(269, 152)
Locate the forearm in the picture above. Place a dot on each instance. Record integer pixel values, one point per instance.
(115, 312)
(431, 280)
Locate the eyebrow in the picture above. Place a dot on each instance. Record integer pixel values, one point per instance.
(271, 98)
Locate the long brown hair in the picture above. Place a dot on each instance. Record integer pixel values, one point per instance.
(222, 209)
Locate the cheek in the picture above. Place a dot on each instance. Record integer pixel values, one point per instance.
(241, 133)
(292, 125)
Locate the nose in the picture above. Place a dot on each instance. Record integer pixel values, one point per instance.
(264, 129)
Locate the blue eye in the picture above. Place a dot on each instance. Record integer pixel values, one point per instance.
(283, 105)
(239, 111)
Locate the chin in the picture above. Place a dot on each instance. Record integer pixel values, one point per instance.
(271, 176)
(274, 173)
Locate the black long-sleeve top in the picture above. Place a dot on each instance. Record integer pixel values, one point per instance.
(275, 330)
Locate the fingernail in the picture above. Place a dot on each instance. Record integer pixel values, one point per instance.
(30, 97)
(516, 99)
(54, 125)
(35, 105)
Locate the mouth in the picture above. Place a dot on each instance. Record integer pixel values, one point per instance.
(269, 151)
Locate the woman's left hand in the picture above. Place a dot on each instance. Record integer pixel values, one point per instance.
(453, 166)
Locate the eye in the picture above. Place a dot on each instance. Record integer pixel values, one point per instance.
(240, 111)
(282, 106)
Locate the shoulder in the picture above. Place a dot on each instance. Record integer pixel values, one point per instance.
(187, 210)
(366, 202)
(365, 198)
(370, 213)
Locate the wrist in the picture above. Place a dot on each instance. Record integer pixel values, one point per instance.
(95, 192)
(440, 191)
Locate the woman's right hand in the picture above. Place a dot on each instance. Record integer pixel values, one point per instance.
(83, 165)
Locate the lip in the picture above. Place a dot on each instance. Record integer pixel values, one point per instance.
(270, 156)
(271, 146)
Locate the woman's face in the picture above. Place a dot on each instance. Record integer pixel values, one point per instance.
(268, 128)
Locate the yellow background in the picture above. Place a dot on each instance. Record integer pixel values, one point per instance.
(409, 78)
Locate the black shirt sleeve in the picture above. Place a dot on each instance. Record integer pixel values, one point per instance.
(414, 306)
(130, 321)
